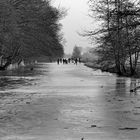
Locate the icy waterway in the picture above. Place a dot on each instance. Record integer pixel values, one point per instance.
(68, 102)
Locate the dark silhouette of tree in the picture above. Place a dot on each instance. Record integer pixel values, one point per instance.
(29, 28)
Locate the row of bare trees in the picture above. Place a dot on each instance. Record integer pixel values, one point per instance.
(29, 28)
(119, 36)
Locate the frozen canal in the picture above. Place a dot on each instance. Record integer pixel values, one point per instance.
(67, 102)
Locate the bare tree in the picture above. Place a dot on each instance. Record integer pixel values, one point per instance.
(118, 40)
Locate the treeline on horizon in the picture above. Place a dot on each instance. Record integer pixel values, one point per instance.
(29, 29)
(118, 38)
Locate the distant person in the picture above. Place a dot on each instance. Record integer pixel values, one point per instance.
(58, 61)
(76, 60)
(66, 61)
(63, 60)
(69, 60)
(79, 60)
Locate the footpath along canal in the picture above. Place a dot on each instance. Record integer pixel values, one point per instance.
(68, 102)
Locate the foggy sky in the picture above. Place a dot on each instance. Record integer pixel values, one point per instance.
(76, 20)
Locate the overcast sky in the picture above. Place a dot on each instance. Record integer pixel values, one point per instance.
(76, 21)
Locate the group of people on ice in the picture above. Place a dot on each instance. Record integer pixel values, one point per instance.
(68, 60)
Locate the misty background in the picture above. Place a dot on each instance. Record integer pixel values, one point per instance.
(77, 20)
